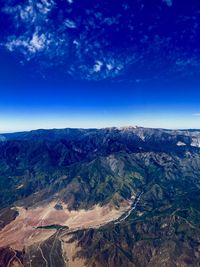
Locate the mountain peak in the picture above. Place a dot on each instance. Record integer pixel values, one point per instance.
(130, 127)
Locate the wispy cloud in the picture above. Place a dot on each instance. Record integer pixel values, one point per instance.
(32, 45)
(38, 34)
(70, 23)
(95, 44)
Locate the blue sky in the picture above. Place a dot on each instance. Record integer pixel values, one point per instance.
(74, 64)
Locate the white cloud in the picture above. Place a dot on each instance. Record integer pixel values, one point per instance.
(109, 66)
(38, 42)
(37, 35)
(45, 6)
(76, 43)
(98, 65)
(70, 23)
(30, 10)
(33, 45)
(27, 13)
(12, 44)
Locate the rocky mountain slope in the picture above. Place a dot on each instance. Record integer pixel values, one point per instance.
(113, 197)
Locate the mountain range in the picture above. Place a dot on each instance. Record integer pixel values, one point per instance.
(111, 197)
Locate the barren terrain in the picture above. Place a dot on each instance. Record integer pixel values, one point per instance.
(23, 231)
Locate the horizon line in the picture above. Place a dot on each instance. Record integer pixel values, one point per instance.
(95, 128)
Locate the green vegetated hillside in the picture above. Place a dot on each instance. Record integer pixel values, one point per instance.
(162, 231)
(82, 168)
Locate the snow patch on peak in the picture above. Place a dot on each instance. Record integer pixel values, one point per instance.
(195, 142)
(179, 143)
(127, 128)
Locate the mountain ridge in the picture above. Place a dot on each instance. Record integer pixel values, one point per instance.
(103, 194)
